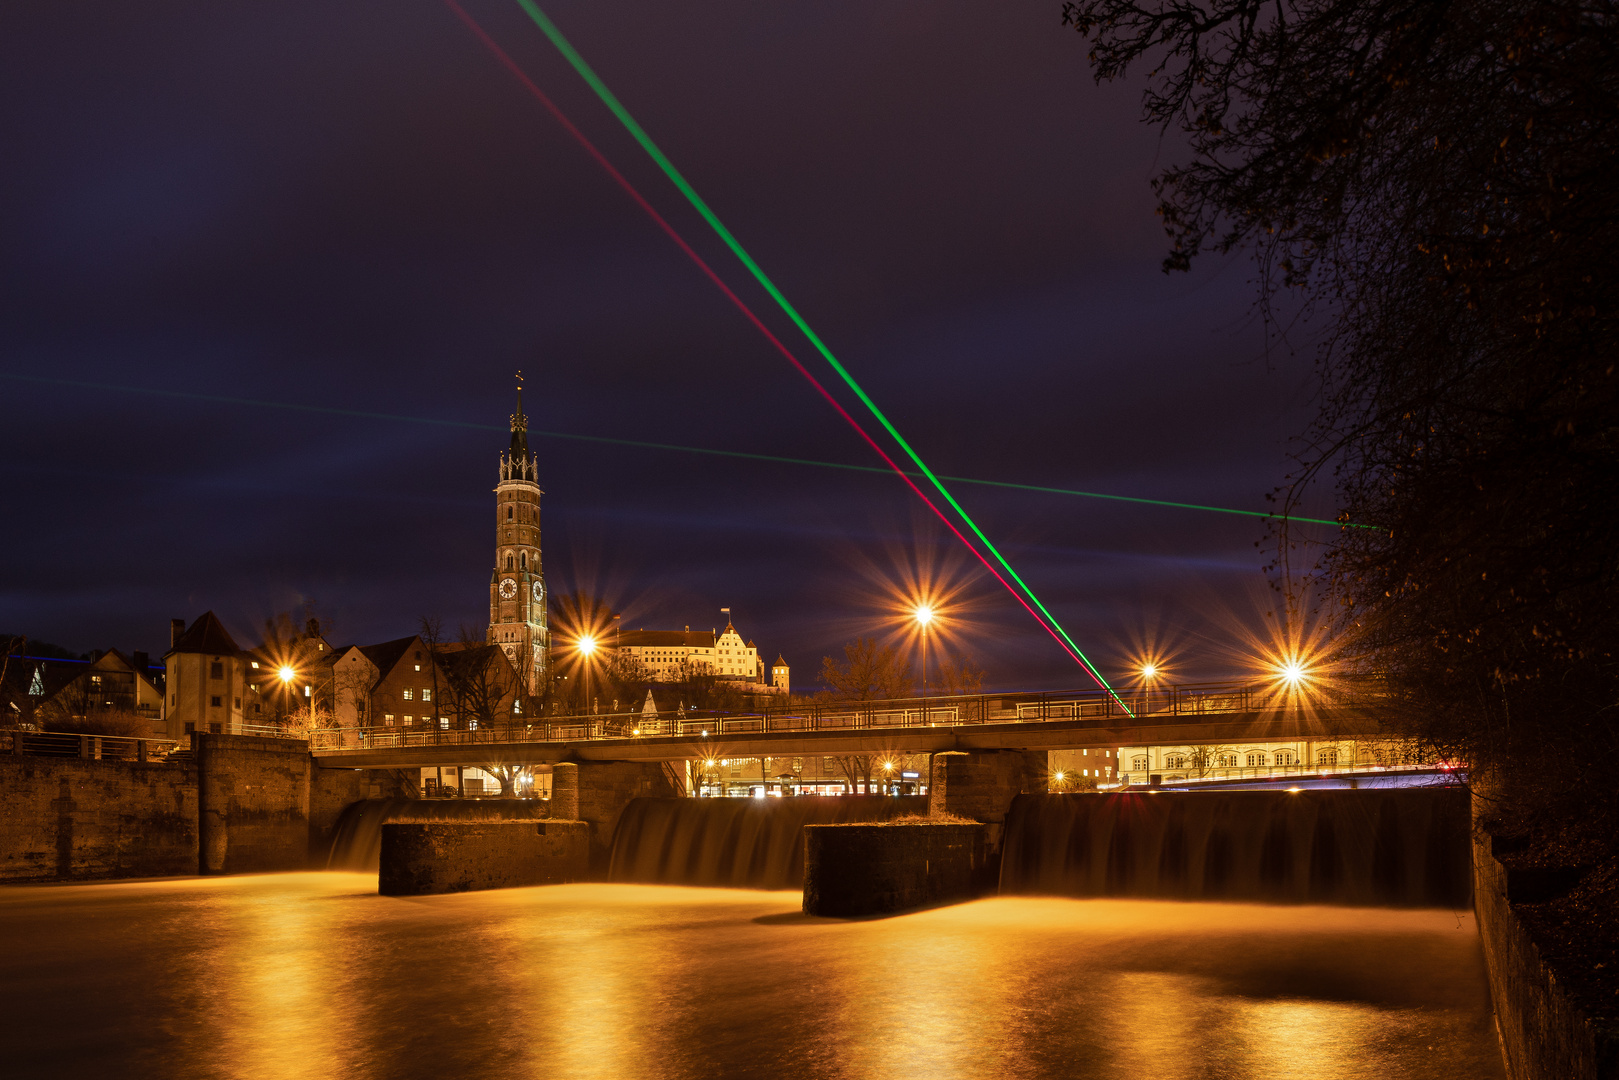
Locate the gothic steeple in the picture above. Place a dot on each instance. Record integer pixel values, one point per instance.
(517, 463)
(517, 612)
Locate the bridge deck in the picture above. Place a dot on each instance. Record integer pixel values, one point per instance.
(402, 750)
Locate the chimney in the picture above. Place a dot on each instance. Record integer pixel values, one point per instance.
(176, 628)
(140, 662)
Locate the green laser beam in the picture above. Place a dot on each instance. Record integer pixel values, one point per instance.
(645, 445)
(617, 108)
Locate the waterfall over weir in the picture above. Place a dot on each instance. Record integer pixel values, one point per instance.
(735, 843)
(357, 844)
(1407, 848)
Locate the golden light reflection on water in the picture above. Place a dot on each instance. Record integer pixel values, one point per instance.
(293, 976)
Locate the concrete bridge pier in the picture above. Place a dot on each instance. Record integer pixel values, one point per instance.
(596, 792)
(981, 785)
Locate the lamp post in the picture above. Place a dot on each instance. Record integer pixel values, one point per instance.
(924, 616)
(1149, 672)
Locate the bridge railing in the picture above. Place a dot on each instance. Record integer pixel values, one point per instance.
(90, 747)
(1140, 705)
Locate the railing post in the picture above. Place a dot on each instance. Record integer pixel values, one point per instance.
(140, 749)
(84, 746)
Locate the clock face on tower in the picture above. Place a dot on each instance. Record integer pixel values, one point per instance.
(539, 593)
(508, 588)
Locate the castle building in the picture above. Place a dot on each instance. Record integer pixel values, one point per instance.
(517, 620)
(677, 655)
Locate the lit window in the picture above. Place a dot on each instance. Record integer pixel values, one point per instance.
(1256, 759)
(255, 663)
(409, 720)
(1286, 757)
(1175, 761)
(410, 695)
(387, 719)
(444, 723)
(427, 693)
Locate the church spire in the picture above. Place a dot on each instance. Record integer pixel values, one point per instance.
(519, 447)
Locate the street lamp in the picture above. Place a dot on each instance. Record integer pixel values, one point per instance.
(1149, 673)
(923, 614)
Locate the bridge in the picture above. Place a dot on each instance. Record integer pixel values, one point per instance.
(1228, 712)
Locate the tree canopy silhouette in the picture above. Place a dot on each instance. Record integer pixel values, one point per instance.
(1434, 183)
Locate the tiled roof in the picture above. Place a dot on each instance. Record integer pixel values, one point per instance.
(666, 639)
(206, 635)
(389, 653)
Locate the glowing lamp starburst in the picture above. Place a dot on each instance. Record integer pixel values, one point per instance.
(587, 645)
(286, 674)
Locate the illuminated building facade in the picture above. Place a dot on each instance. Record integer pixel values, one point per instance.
(1203, 763)
(677, 655)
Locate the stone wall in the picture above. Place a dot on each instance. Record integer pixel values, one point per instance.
(252, 804)
(854, 870)
(67, 818)
(982, 784)
(1544, 1035)
(424, 858)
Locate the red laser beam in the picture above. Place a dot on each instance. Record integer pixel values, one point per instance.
(669, 230)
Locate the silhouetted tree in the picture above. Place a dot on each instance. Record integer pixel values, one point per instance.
(868, 672)
(1434, 181)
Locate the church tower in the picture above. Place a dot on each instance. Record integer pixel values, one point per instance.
(517, 598)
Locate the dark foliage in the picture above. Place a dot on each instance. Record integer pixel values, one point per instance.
(1437, 183)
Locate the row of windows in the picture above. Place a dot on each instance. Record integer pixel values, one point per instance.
(1253, 759)
(409, 693)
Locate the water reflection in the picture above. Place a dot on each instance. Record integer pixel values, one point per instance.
(286, 976)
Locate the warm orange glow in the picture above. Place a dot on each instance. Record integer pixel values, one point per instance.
(586, 645)
(1149, 671)
(923, 614)
(287, 674)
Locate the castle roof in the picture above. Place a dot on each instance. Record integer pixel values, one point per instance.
(666, 639)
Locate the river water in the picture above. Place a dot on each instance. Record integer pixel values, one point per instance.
(315, 975)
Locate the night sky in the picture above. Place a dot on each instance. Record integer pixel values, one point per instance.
(353, 207)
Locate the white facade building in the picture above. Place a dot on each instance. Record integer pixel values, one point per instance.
(676, 655)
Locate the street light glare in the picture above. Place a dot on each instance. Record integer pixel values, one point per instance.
(1149, 671)
(287, 674)
(1293, 672)
(587, 645)
(924, 614)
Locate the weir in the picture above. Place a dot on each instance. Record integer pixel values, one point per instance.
(1405, 848)
(735, 843)
(357, 844)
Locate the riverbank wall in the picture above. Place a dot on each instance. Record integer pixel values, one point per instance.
(237, 804)
(1545, 1034)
